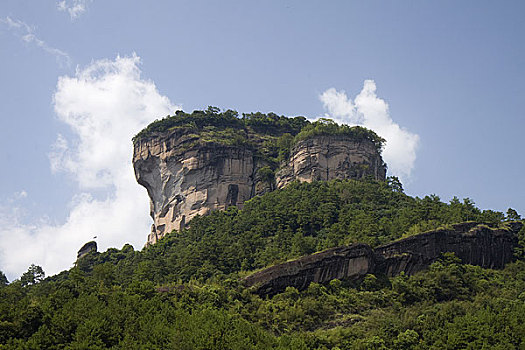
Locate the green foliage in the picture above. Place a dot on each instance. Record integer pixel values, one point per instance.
(34, 274)
(266, 174)
(214, 119)
(298, 220)
(284, 145)
(184, 291)
(512, 215)
(3, 279)
(325, 126)
(273, 124)
(269, 135)
(395, 184)
(196, 120)
(449, 306)
(520, 251)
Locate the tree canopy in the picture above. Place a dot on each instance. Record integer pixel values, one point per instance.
(184, 292)
(270, 125)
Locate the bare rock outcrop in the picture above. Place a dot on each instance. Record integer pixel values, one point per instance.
(86, 249)
(347, 262)
(187, 176)
(474, 243)
(323, 158)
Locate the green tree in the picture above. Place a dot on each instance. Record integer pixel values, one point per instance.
(33, 275)
(406, 340)
(512, 215)
(3, 280)
(395, 184)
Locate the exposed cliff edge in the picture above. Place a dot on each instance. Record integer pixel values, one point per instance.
(195, 163)
(324, 158)
(474, 243)
(184, 181)
(86, 249)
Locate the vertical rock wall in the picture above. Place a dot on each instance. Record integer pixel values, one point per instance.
(323, 158)
(184, 181)
(186, 177)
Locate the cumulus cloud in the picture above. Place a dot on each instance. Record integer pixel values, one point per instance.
(372, 112)
(74, 7)
(27, 34)
(104, 104)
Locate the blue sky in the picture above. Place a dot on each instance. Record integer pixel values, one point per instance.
(443, 80)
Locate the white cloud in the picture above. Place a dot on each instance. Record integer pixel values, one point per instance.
(372, 112)
(74, 7)
(27, 34)
(21, 195)
(104, 104)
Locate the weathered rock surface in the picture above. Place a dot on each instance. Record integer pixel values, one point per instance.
(86, 249)
(185, 180)
(473, 243)
(324, 158)
(185, 177)
(347, 262)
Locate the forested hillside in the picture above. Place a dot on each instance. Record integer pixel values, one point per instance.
(184, 292)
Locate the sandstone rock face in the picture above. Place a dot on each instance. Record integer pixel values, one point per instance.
(186, 177)
(184, 180)
(337, 263)
(473, 243)
(323, 158)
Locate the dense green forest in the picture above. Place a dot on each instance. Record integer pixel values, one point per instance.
(184, 292)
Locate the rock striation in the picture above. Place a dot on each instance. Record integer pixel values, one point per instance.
(325, 158)
(474, 243)
(184, 178)
(186, 175)
(344, 263)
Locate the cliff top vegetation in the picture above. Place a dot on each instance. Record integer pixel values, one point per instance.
(271, 128)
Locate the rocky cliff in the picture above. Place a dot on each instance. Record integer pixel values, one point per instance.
(185, 178)
(474, 243)
(192, 169)
(324, 158)
(86, 249)
(343, 263)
